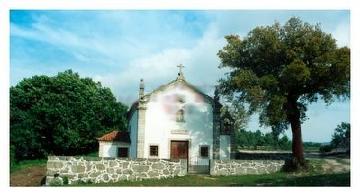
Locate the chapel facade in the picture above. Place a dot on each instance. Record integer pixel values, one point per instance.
(174, 121)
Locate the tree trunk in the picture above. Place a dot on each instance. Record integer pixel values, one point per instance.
(293, 114)
(297, 144)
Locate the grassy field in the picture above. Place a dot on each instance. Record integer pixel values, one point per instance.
(276, 179)
(27, 164)
(38, 162)
(28, 173)
(315, 176)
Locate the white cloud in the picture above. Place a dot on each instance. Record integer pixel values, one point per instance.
(154, 69)
(342, 34)
(200, 61)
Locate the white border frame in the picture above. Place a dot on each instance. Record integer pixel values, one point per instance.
(6, 5)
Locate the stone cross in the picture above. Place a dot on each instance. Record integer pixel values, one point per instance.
(180, 74)
(180, 67)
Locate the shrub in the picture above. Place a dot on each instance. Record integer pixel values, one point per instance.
(325, 148)
(57, 181)
(65, 180)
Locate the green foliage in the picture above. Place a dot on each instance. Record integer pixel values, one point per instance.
(249, 140)
(61, 115)
(19, 165)
(82, 182)
(341, 137)
(278, 70)
(57, 181)
(92, 154)
(274, 64)
(253, 140)
(325, 148)
(234, 114)
(12, 156)
(312, 146)
(65, 180)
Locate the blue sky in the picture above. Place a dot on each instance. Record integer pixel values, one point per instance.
(118, 48)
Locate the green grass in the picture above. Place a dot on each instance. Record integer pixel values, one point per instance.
(276, 179)
(26, 164)
(270, 148)
(311, 149)
(38, 162)
(342, 161)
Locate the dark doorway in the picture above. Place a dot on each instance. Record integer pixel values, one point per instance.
(123, 152)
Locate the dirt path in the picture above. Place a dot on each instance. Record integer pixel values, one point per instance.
(31, 176)
(336, 165)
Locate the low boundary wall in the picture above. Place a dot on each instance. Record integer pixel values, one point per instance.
(70, 170)
(243, 167)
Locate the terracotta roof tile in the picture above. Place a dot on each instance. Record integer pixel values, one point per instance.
(117, 136)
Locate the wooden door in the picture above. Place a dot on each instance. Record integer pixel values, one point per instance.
(179, 150)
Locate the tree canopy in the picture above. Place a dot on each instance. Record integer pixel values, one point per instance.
(61, 115)
(279, 70)
(341, 136)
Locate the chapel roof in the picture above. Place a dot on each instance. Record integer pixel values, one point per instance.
(116, 136)
(162, 87)
(180, 79)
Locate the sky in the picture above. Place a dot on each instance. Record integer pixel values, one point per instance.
(118, 48)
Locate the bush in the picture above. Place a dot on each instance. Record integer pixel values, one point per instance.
(57, 181)
(65, 180)
(84, 182)
(325, 148)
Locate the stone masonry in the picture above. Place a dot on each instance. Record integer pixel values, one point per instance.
(243, 167)
(98, 170)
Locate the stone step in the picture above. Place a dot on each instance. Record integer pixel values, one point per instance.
(198, 172)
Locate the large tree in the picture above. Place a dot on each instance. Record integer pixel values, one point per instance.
(61, 115)
(278, 71)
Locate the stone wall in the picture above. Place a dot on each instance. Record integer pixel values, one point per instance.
(243, 167)
(70, 170)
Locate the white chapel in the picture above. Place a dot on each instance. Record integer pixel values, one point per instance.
(174, 121)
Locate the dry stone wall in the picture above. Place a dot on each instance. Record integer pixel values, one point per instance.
(70, 170)
(243, 167)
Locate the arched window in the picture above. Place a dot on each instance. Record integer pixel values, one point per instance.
(180, 116)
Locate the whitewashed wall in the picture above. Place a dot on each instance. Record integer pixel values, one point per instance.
(161, 126)
(109, 149)
(224, 147)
